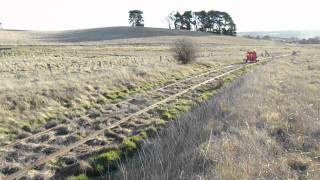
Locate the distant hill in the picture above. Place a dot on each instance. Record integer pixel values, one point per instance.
(283, 34)
(94, 35)
(112, 33)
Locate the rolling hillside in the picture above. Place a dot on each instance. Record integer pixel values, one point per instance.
(111, 35)
(89, 35)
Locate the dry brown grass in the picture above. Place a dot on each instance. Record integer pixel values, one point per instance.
(31, 94)
(265, 126)
(44, 82)
(40, 83)
(273, 124)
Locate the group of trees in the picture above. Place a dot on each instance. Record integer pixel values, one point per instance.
(212, 21)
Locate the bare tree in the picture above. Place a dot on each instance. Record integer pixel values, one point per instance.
(170, 20)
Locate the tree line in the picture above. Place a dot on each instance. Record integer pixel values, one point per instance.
(216, 22)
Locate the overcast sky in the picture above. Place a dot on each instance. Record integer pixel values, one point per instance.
(249, 15)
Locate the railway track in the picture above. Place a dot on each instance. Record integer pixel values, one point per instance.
(130, 98)
(127, 110)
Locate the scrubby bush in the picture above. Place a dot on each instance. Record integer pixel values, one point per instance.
(106, 160)
(185, 51)
(129, 145)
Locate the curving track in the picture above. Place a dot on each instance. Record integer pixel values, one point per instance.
(12, 144)
(45, 146)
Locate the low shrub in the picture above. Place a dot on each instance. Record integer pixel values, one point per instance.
(185, 51)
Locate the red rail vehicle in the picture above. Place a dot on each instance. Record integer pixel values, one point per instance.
(251, 57)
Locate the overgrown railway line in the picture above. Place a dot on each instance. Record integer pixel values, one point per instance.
(12, 144)
(46, 146)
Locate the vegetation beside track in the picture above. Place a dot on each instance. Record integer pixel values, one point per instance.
(265, 125)
(108, 162)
